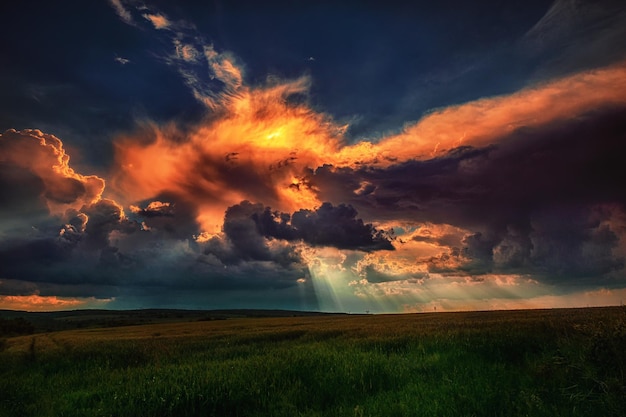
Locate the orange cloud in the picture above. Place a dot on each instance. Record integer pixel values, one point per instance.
(49, 303)
(224, 67)
(158, 20)
(184, 51)
(257, 150)
(258, 146)
(486, 121)
(44, 156)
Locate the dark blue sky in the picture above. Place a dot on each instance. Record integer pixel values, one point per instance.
(376, 65)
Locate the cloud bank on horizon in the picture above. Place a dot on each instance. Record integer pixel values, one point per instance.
(270, 200)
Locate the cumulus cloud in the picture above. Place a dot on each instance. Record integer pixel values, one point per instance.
(76, 245)
(328, 225)
(338, 227)
(40, 164)
(101, 219)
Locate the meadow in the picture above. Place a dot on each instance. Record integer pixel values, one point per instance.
(568, 362)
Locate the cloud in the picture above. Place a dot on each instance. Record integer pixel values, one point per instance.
(498, 202)
(101, 218)
(214, 80)
(158, 20)
(85, 246)
(240, 228)
(491, 120)
(38, 162)
(122, 11)
(327, 225)
(338, 227)
(224, 80)
(224, 68)
(262, 147)
(49, 303)
(462, 172)
(257, 150)
(185, 52)
(443, 235)
(155, 209)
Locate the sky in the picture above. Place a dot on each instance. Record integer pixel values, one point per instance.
(366, 156)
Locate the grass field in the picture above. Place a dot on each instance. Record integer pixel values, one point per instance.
(515, 363)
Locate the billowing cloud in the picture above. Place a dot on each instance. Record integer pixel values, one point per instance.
(37, 163)
(328, 225)
(78, 245)
(258, 151)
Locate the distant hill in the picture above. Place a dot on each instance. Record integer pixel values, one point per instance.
(79, 319)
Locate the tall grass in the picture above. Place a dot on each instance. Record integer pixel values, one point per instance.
(535, 363)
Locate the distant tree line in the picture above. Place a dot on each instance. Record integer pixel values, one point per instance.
(15, 327)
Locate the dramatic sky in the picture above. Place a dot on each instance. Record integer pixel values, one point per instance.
(312, 155)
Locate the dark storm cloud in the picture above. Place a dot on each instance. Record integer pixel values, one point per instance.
(65, 240)
(21, 192)
(338, 226)
(115, 257)
(542, 201)
(102, 218)
(241, 230)
(328, 225)
(168, 215)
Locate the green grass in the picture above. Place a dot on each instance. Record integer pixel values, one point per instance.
(521, 363)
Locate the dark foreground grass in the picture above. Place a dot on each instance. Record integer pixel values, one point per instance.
(524, 363)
